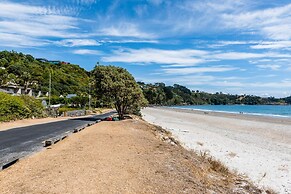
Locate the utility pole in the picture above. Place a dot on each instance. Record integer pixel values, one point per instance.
(89, 96)
(50, 89)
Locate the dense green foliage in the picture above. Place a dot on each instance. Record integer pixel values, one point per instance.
(160, 94)
(19, 107)
(116, 85)
(26, 71)
(113, 86)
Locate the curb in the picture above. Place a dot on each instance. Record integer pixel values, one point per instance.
(52, 141)
(9, 164)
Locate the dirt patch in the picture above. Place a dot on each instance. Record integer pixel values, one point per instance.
(129, 156)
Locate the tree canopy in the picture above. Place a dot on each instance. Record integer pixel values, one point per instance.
(116, 85)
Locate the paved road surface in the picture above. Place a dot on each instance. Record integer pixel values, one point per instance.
(22, 141)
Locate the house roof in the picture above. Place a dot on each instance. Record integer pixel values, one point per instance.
(71, 95)
(5, 91)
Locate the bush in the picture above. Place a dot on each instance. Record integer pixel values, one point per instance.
(35, 107)
(19, 107)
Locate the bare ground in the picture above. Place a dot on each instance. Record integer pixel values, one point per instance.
(129, 156)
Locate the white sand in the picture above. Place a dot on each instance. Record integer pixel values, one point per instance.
(259, 147)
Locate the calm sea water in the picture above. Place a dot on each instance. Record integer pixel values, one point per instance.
(266, 110)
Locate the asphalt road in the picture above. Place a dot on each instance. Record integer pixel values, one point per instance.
(22, 141)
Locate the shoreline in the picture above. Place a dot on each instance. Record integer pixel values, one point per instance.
(247, 113)
(256, 146)
(246, 116)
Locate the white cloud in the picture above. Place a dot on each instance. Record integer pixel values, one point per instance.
(78, 42)
(247, 55)
(274, 23)
(227, 43)
(15, 40)
(123, 41)
(277, 85)
(192, 70)
(237, 55)
(86, 2)
(87, 52)
(183, 57)
(189, 57)
(125, 29)
(269, 66)
(15, 10)
(36, 22)
(273, 45)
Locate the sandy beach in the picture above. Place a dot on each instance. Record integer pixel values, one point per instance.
(258, 147)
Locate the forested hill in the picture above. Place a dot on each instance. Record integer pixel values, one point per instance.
(160, 94)
(25, 70)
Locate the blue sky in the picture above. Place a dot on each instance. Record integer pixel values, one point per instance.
(238, 47)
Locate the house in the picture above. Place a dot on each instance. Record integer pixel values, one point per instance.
(16, 90)
(42, 60)
(71, 95)
(5, 91)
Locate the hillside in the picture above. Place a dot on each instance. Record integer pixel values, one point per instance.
(25, 70)
(160, 94)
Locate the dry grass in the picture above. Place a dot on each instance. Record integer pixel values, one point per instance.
(212, 173)
(200, 143)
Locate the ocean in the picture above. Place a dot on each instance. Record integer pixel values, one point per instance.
(264, 110)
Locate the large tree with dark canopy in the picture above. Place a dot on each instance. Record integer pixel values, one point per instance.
(118, 86)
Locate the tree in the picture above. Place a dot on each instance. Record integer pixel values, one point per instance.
(3, 76)
(118, 86)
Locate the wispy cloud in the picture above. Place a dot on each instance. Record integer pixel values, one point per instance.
(78, 42)
(228, 43)
(269, 66)
(124, 29)
(123, 41)
(15, 40)
(193, 70)
(157, 56)
(183, 57)
(87, 2)
(87, 52)
(36, 22)
(273, 45)
(273, 23)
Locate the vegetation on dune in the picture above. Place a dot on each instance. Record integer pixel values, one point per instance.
(19, 107)
(117, 86)
(160, 94)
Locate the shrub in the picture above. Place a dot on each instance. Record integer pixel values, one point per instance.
(35, 107)
(19, 107)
